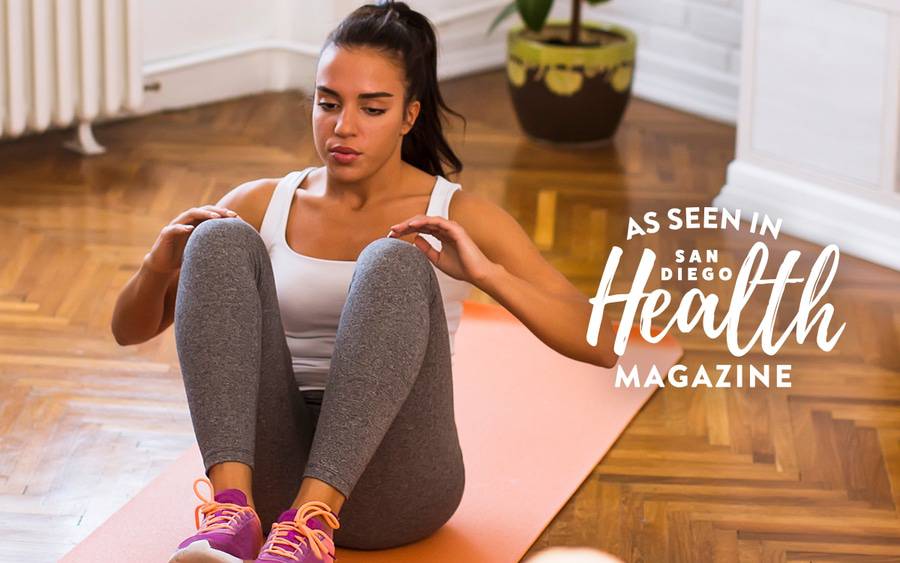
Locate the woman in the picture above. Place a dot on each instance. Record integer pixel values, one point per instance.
(286, 284)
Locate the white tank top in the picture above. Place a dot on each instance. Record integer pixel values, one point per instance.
(312, 291)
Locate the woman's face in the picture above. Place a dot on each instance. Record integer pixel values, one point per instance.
(358, 103)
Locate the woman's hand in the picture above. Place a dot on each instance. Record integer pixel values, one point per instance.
(459, 256)
(166, 254)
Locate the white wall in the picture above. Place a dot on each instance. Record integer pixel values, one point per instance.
(819, 127)
(232, 48)
(174, 28)
(202, 51)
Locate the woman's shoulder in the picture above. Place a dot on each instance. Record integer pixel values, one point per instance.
(467, 206)
(487, 223)
(251, 199)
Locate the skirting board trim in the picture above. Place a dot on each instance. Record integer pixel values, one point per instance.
(862, 228)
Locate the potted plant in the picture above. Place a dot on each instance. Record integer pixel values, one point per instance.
(570, 81)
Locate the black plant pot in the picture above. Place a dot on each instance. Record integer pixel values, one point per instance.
(570, 94)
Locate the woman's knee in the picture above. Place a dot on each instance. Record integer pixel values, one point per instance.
(233, 229)
(398, 259)
(220, 237)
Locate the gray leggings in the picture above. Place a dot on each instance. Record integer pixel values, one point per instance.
(386, 437)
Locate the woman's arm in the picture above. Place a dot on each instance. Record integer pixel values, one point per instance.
(528, 286)
(483, 244)
(140, 305)
(146, 305)
(559, 320)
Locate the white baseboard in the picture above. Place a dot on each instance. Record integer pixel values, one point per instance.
(216, 75)
(815, 213)
(263, 67)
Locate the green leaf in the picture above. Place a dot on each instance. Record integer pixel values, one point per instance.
(534, 12)
(507, 11)
(596, 2)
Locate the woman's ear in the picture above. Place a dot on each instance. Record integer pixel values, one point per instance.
(412, 113)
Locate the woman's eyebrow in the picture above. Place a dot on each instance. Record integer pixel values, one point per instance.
(365, 95)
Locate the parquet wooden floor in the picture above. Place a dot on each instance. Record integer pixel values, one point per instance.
(810, 473)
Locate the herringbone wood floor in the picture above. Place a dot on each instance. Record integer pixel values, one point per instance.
(810, 473)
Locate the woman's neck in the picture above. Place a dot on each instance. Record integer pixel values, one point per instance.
(386, 183)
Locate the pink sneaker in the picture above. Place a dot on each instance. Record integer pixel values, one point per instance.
(297, 537)
(231, 530)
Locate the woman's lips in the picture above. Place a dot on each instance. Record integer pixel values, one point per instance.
(342, 157)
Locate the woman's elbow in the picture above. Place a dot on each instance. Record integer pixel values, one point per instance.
(596, 357)
(608, 359)
(120, 340)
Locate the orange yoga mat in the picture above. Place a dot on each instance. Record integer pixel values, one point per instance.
(532, 424)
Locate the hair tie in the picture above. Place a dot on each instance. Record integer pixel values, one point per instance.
(401, 9)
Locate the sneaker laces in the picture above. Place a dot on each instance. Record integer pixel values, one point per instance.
(223, 513)
(304, 535)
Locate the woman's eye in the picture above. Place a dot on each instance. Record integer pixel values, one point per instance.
(328, 106)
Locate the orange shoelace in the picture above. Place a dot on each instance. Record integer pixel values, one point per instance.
(210, 506)
(317, 539)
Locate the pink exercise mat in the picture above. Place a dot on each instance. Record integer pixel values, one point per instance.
(532, 424)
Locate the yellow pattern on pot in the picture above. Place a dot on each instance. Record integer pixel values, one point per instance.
(621, 78)
(564, 68)
(516, 72)
(563, 82)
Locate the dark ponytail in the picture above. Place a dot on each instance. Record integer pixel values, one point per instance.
(406, 34)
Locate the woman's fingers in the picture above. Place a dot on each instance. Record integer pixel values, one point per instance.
(219, 210)
(403, 225)
(213, 212)
(423, 222)
(436, 231)
(425, 247)
(196, 215)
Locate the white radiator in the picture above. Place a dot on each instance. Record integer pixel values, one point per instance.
(65, 62)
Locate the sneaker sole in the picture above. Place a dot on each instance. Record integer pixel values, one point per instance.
(201, 552)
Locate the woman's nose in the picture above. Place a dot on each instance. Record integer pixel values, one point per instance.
(345, 124)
